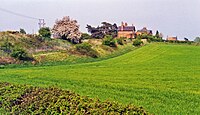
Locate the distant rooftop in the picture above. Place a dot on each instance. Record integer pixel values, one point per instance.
(145, 30)
(125, 27)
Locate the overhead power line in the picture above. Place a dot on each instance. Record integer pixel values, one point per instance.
(41, 21)
(18, 14)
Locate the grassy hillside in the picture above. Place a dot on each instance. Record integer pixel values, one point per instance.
(162, 78)
(40, 50)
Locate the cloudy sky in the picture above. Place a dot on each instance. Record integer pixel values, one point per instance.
(171, 17)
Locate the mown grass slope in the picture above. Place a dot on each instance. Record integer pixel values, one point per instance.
(162, 78)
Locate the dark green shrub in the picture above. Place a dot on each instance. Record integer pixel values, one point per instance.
(45, 33)
(180, 42)
(85, 36)
(20, 54)
(137, 42)
(109, 41)
(86, 49)
(189, 42)
(150, 38)
(120, 41)
(6, 47)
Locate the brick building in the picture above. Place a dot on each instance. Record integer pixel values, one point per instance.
(126, 31)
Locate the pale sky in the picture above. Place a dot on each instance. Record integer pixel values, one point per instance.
(171, 17)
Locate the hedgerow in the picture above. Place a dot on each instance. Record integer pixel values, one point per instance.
(23, 99)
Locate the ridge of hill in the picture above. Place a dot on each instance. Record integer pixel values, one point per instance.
(47, 51)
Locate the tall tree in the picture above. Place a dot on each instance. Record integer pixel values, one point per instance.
(67, 29)
(157, 34)
(102, 31)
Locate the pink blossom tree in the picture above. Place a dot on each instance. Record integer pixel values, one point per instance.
(68, 29)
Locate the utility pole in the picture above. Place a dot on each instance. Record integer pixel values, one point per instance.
(41, 23)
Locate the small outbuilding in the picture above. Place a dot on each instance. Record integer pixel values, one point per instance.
(144, 31)
(172, 38)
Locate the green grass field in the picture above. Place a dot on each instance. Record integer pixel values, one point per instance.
(162, 78)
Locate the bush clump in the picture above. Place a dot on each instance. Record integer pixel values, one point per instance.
(137, 42)
(22, 99)
(120, 41)
(20, 54)
(109, 41)
(85, 36)
(86, 49)
(45, 33)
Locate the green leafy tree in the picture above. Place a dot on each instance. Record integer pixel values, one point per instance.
(157, 34)
(45, 32)
(101, 31)
(22, 31)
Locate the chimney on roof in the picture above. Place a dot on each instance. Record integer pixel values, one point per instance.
(122, 26)
(134, 29)
(125, 24)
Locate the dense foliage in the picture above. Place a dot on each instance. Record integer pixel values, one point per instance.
(179, 42)
(68, 29)
(22, 99)
(137, 42)
(101, 31)
(86, 49)
(150, 38)
(6, 46)
(45, 32)
(109, 41)
(20, 54)
(85, 36)
(13, 50)
(120, 41)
